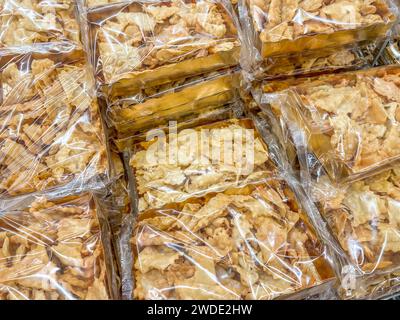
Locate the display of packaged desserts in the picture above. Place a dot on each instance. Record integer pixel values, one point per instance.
(199, 149)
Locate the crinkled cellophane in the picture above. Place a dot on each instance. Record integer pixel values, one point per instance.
(23, 23)
(287, 26)
(307, 37)
(175, 101)
(51, 132)
(252, 243)
(350, 121)
(195, 172)
(149, 44)
(52, 249)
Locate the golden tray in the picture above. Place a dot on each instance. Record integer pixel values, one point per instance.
(193, 118)
(174, 105)
(320, 41)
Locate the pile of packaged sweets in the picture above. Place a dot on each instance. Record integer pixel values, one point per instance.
(199, 149)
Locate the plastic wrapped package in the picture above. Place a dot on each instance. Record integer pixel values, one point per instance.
(302, 36)
(28, 22)
(350, 121)
(55, 249)
(363, 216)
(287, 26)
(253, 242)
(172, 101)
(270, 127)
(197, 161)
(50, 134)
(151, 43)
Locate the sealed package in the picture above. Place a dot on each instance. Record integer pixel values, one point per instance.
(116, 201)
(194, 162)
(253, 242)
(151, 107)
(286, 26)
(291, 36)
(350, 121)
(51, 134)
(55, 249)
(364, 218)
(190, 118)
(34, 21)
(150, 43)
(382, 286)
(115, 204)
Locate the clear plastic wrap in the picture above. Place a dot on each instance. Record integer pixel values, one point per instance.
(364, 216)
(23, 23)
(154, 106)
(189, 117)
(150, 43)
(98, 4)
(350, 121)
(287, 37)
(393, 51)
(55, 249)
(292, 26)
(51, 133)
(194, 162)
(253, 242)
(271, 119)
(325, 61)
(116, 202)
